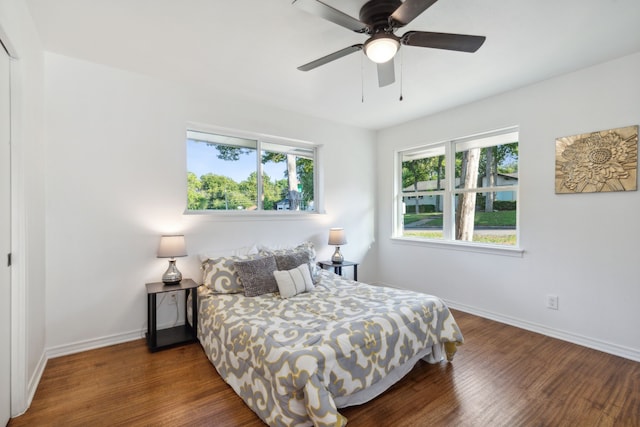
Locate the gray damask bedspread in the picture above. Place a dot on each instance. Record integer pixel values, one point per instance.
(290, 358)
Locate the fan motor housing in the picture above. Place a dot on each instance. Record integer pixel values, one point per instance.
(375, 13)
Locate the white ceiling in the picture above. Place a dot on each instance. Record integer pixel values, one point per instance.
(251, 48)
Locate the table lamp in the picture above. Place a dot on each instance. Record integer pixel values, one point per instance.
(337, 238)
(172, 247)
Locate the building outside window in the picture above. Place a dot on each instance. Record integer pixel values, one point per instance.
(463, 190)
(245, 173)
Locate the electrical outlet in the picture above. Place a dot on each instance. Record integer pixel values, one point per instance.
(552, 302)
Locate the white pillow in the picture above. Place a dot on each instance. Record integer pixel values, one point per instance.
(294, 282)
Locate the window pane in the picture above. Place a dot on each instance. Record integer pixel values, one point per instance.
(288, 177)
(221, 172)
(491, 217)
(423, 170)
(423, 216)
(493, 166)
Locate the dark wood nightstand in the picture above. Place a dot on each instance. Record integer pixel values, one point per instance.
(170, 337)
(337, 267)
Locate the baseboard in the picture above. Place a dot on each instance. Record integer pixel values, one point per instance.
(35, 379)
(79, 346)
(606, 347)
(32, 386)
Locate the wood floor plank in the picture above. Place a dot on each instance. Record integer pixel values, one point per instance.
(501, 376)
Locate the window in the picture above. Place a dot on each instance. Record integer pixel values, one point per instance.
(240, 173)
(478, 205)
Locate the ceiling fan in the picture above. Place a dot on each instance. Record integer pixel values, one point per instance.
(379, 19)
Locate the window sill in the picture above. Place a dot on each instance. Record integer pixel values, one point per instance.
(255, 215)
(462, 246)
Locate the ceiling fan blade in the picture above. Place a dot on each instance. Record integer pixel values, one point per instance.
(327, 12)
(386, 73)
(458, 42)
(408, 11)
(331, 57)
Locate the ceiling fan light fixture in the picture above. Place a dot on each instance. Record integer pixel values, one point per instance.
(381, 49)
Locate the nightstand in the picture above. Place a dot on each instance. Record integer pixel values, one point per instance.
(337, 267)
(177, 335)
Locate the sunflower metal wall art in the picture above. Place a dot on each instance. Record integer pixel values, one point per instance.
(598, 161)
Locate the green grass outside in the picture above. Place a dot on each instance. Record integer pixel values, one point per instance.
(486, 219)
(482, 219)
(409, 218)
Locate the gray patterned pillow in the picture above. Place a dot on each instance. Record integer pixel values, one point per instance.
(220, 274)
(257, 276)
(303, 249)
(292, 260)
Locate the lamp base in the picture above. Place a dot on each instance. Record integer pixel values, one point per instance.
(337, 257)
(172, 276)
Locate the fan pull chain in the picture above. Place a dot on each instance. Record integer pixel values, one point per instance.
(401, 72)
(362, 78)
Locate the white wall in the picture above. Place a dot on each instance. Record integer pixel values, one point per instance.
(28, 218)
(116, 180)
(581, 247)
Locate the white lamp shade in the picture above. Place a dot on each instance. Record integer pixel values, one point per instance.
(337, 236)
(172, 247)
(381, 49)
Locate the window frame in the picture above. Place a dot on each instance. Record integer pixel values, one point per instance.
(448, 194)
(260, 139)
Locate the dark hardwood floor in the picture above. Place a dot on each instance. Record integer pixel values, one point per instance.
(501, 376)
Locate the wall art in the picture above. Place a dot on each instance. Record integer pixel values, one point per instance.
(598, 161)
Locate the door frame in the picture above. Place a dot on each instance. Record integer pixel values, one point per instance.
(19, 380)
(6, 225)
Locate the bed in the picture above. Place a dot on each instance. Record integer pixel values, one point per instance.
(295, 359)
